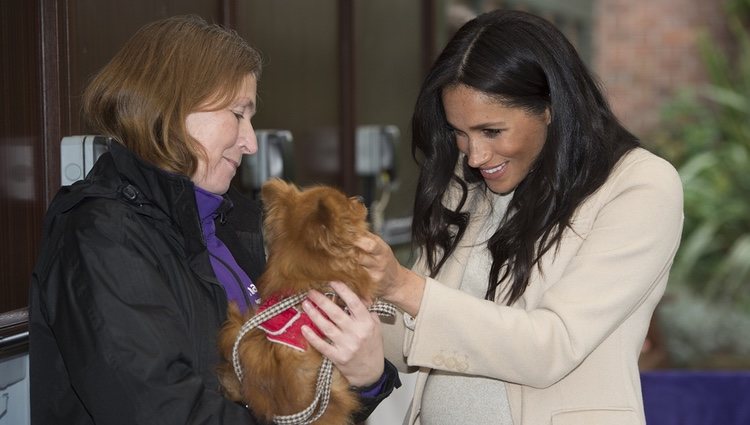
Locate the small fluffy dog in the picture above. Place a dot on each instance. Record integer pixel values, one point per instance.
(310, 238)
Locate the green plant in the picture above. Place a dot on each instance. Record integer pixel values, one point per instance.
(705, 316)
(708, 138)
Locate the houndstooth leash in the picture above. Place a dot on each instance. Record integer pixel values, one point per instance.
(325, 373)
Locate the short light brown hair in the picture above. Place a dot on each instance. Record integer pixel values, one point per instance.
(168, 69)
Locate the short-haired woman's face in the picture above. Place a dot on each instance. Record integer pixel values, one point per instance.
(499, 141)
(225, 134)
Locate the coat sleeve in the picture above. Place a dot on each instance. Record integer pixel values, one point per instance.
(389, 381)
(121, 331)
(623, 260)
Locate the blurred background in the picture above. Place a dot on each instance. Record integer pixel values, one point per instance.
(339, 81)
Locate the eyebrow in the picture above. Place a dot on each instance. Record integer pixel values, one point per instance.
(246, 102)
(480, 126)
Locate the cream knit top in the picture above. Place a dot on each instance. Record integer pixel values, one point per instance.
(452, 398)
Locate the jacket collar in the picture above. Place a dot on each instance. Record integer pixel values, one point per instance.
(169, 193)
(169, 196)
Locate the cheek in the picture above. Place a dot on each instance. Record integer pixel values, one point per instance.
(539, 141)
(194, 127)
(531, 145)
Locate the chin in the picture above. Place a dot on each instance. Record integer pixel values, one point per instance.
(500, 189)
(219, 188)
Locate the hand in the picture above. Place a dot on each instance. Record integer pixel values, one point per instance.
(354, 344)
(399, 285)
(378, 259)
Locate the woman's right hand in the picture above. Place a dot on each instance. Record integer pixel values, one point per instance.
(399, 285)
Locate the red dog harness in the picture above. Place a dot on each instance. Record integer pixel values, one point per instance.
(286, 327)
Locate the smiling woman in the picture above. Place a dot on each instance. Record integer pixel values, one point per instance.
(500, 141)
(545, 237)
(141, 259)
(225, 134)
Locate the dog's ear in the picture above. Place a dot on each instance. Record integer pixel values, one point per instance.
(324, 212)
(278, 198)
(332, 228)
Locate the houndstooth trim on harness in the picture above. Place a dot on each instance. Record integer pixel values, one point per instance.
(325, 374)
(319, 403)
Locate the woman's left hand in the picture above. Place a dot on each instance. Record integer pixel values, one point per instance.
(354, 343)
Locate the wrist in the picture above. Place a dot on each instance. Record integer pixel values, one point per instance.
(373, 389)
(407, 294)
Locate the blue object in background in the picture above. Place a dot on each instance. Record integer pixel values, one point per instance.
(680, 397)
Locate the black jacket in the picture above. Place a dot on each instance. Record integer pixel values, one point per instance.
(125, 308)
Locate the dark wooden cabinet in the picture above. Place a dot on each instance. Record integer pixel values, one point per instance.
(50, 49)
(24, 161)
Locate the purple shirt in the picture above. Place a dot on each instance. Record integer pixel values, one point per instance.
(236, 282)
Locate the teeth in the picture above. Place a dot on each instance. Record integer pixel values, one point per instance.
(496, 169)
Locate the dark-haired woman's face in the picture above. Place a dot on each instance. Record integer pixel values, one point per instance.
(501, 142)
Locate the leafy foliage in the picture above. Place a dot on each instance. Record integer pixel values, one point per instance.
(708, 138)
(706, 315)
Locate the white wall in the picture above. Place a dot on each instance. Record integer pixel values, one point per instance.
(14, 390)
(393, 409)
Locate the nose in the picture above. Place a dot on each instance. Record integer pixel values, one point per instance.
(478, 153)
(246, 138)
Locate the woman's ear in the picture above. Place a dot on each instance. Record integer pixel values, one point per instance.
(547, 115)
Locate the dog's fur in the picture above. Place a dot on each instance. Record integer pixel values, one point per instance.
(310, 238)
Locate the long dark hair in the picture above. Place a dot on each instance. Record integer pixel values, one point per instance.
(526, 62)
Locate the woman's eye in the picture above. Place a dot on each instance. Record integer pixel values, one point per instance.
(238, 115)
(491, 132)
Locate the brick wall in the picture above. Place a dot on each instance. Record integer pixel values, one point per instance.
(645, 50)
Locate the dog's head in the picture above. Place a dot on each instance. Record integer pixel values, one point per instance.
(310, 237)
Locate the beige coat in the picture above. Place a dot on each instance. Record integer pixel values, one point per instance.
(568, 349)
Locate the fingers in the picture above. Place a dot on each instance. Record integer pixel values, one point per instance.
(318, 343)
(324, 313)
(376, 256)
(367, 243)
(333, 315)
(356, 306)
(352, 341)
(344, 331)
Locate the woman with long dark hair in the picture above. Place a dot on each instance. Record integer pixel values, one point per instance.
(545, 236)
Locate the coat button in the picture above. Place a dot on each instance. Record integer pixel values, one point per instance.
(129, 193)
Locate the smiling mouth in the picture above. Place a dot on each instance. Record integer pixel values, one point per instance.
(233, 162)
(494, 170)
